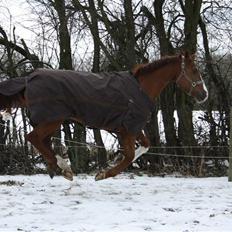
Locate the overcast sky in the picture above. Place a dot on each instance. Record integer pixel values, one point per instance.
(16, 13)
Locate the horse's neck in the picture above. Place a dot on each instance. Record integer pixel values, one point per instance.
(154, 82)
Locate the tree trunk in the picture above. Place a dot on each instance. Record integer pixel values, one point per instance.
(66, 63)
(222, 90)
(79, 152)
(130, 35)
(2, 134)
(63, 36)
(191, 11)
(167, 103)
(102, 154)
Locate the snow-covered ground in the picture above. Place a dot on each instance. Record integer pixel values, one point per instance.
(126, 203)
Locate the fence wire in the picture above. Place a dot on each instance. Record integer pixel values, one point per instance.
(92, 145)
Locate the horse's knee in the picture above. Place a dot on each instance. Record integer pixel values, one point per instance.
(37, 142)
(145, 143)
(143, 140)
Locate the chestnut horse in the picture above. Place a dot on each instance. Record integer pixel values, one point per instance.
(152, 78)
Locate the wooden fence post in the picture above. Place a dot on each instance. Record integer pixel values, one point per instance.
(230, 148)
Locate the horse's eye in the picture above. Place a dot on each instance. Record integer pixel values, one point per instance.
(195, 71)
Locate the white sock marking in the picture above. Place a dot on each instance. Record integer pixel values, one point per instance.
(140, 151)
(62, 163)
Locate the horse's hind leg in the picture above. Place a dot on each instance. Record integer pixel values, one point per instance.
(128, 142)
(39, 137)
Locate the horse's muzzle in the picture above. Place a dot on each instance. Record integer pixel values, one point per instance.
(201, 97)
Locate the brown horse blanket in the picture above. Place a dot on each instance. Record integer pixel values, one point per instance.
(103, 100)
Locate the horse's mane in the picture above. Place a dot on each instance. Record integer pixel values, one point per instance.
(143, 69)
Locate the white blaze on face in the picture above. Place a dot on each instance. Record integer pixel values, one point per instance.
(206, 90)
(206, 95)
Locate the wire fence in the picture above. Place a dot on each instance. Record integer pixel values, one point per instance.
(76, 144)
(164, 151)
(92, 146)
(198, 160)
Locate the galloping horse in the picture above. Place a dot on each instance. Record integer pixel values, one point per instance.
(119, 102)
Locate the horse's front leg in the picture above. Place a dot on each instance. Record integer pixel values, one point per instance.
(42, 144)
(128, 142)
(61, 163)
(144, 144)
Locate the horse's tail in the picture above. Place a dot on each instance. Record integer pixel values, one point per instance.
(5, 106)
(6, 102)
(12, 93)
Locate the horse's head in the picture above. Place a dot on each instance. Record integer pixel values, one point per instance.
(190, 79)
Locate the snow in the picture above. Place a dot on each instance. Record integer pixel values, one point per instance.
(126, 203)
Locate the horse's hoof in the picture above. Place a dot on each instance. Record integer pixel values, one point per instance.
(51, 172)
(100, 176)
(67, 174)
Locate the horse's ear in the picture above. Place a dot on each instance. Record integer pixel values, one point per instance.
(189, 55)
(186, 54)
(135, 69)
(193, 56)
